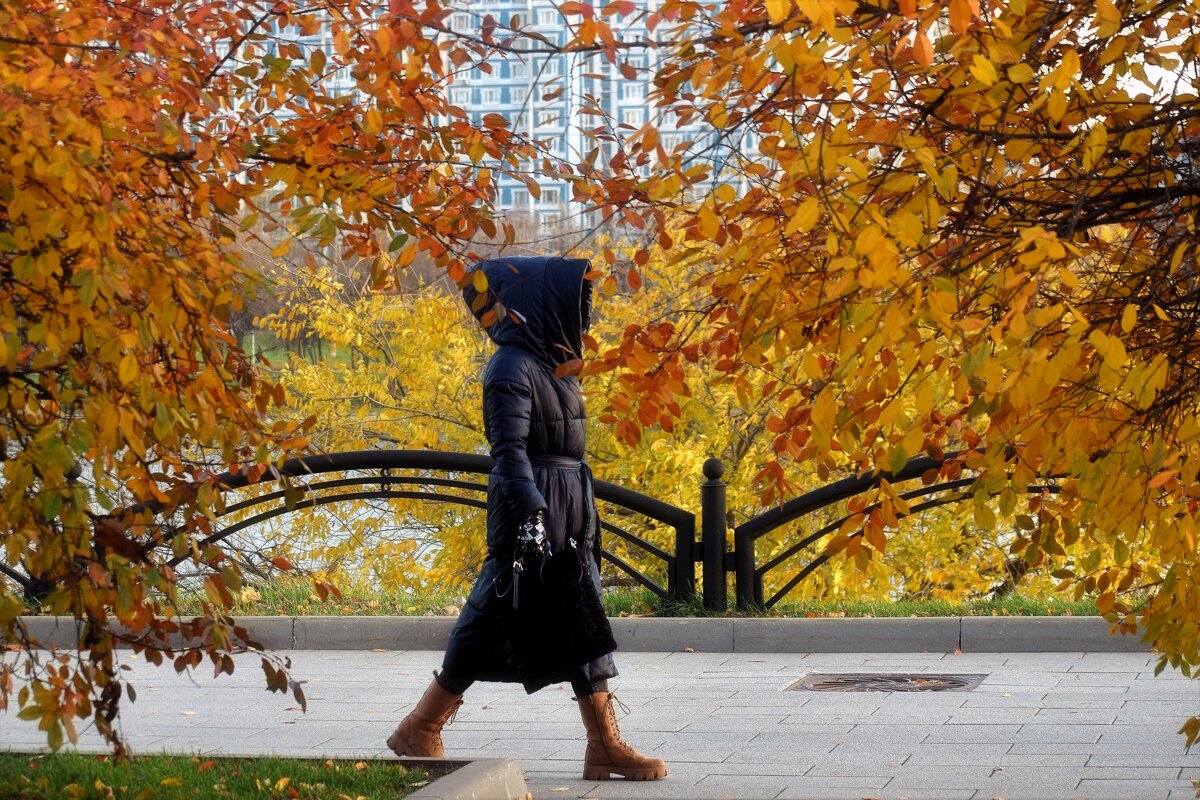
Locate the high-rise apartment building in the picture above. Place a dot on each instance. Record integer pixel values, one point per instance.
(542, 94)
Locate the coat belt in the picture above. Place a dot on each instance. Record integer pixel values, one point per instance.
(556, 462)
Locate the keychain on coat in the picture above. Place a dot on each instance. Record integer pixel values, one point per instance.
(518, 568)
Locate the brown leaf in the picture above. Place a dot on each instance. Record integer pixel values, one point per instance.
(923, 48)
(572, 367)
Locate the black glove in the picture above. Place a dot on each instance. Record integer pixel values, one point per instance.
(532, 547)
(531, 535)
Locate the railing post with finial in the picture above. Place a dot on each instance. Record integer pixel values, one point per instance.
(713, 525)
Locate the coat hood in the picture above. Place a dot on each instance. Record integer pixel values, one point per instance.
(547, 304)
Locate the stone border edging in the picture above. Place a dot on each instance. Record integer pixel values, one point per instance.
(699, 634)
(485, 779)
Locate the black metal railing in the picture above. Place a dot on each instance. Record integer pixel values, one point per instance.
(313, 481)
(381, 465)
(749, 575)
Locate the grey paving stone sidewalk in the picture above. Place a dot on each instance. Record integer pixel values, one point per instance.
(1040, 725)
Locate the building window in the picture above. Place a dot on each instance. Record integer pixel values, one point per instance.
(460, 97)
(518, 69)
(631, 90)
(551, 67)
(551, 196)
(547, 119)
(489, 97)
(633, 116)
(548, 18)
(460, 22)
(520, 198)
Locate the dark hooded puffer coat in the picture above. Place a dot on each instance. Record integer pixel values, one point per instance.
(535, 427)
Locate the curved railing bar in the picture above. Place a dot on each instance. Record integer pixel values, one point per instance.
(633, 538)
(313, 502)
(449, 462)
(382, 480)
(833, 526)
(643, 504)
(821, 559)
(831, 493)
(632, 572)
(363, 459)
(23, 580)
(846, 488)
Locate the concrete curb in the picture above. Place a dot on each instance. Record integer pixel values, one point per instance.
(485, 779)
(698, 634)
(371, 633)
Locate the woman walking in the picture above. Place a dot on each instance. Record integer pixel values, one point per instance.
(534, 615)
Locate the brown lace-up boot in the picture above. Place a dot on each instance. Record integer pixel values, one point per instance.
(420, 733)
(607, 753)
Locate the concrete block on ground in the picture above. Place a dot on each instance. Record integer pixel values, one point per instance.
(61, 632)
(1044, 635)
(674, 634)
(273, 633)
(372, 633)
(493, 778)
(849, 635)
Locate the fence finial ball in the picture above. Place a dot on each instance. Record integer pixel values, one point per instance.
(714, 468)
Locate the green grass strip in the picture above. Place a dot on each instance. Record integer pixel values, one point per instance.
(74, 776)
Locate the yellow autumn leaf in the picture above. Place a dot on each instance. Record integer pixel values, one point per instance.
(373, 121)
(1020, 73)
(983, 70)
(1129, 318)
(127, 369)
(805, 216)
(778, 10)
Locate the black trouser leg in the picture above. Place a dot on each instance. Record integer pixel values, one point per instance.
(583, 686)
(452, 683)
(580, 683)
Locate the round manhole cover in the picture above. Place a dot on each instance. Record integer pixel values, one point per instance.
(886, 682)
